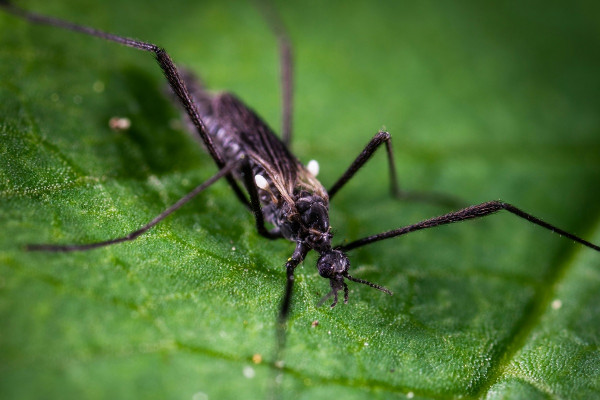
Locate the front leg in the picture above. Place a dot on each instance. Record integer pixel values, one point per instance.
(284, 311)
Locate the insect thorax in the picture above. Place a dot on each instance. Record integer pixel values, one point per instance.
(307, 221)
(292, 199)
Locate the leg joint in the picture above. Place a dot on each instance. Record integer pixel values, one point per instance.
(383, 136)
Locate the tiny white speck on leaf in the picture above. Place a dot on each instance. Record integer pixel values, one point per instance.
(200, 396)
(410, 395)
(98, 86)
(556, 304)
(119, 123)
(249, 372)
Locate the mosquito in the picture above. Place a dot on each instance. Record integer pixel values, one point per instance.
(268, 179)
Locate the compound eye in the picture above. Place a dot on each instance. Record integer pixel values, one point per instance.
(326, 269)
(333, 264)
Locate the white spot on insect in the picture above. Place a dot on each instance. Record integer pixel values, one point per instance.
(313, 167)
(249, 372)
(556, 304)
(119, 124)
(261, 182)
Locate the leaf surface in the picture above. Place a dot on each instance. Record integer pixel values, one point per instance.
(484, 102)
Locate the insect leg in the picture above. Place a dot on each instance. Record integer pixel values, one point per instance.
(473, 212)
(284, 311)
(286, 68)
(385, 138)
(254, 202)
(166, 64)
(133, 235)
(363, 157)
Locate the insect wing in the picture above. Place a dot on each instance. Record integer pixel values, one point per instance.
(262, 145)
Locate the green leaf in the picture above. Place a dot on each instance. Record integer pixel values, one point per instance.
(484, 102)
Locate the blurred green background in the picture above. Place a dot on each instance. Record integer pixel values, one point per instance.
(483, 101)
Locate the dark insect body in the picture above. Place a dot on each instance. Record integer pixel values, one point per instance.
(290, 196)
(278, 188)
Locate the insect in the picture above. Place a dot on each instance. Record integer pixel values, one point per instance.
(281, 190)
(267, 178)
